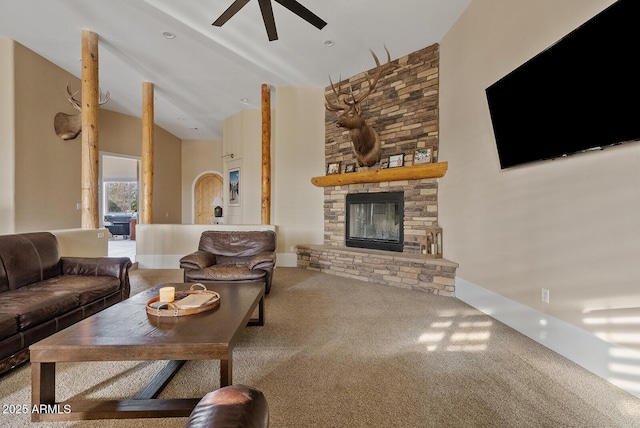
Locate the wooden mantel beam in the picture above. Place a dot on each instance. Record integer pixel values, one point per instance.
(414, 172)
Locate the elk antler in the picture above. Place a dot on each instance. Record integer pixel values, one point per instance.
(338, 93)
(76, 104)
(104, 99)
(343, 103)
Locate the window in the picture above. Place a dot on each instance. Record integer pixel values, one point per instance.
(121, 196)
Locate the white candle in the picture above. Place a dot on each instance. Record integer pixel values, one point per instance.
(167, 294)
(433, 248)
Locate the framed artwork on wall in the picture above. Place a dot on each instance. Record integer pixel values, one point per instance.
(234, 187)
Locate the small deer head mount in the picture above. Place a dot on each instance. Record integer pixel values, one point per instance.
(69, 126)
(364, 138)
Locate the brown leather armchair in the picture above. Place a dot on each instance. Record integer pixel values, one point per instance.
(232, 256)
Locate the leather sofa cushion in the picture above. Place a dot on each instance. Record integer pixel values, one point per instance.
(233, 260)
(94, 266)
(4, 281)
(10, 346)
(8, 324)
(28, 258)
(86, 288)
(225, 273)
(197, 260)
(33, 308)
(237, 243)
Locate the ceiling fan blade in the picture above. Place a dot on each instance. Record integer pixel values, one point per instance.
(232, 10)
(269, 20)
(303, 13)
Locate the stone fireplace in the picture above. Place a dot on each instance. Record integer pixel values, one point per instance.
(408, 268)
(404, 111)
(419, 210)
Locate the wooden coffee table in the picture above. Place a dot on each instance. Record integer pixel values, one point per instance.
(125, 332)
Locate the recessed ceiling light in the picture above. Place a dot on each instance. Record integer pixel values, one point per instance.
(169, 35)
(329, 43)
(244, 100)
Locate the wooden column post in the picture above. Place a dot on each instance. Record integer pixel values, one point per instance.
(90, 152)
(146, 206)
(266, 154)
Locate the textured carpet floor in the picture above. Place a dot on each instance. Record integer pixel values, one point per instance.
(342, 353)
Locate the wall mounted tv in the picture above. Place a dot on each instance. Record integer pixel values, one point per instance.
(580, 94)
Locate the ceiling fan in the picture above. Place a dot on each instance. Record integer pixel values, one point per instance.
(267, 15)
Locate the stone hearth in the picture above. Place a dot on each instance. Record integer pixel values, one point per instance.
(382, 267)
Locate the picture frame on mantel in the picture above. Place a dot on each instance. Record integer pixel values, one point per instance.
(422, 155)
(350, 167)
(396, 160)
(333, 168)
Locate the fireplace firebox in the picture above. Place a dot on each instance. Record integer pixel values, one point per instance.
(375, 220)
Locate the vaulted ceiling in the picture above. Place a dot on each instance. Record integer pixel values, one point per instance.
(205, 73)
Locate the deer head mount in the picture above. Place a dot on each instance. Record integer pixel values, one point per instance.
(69, 126)
(364, 138)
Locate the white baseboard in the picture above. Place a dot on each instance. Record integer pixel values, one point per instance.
(614, 363)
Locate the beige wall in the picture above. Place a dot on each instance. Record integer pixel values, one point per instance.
(198, 157)
(299, 156)
(7, 137)
(122, 134)
(48, 168)
(47, 176)
(242, 137)
(568, 225)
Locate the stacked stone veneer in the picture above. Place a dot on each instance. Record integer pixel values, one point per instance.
(404, 110)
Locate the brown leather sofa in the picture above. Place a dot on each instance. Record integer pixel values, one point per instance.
(232, 256)
(42, 293)
(236, 406)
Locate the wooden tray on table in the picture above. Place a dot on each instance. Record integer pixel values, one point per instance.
(192, 301)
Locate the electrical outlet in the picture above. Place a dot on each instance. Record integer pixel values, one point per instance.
(545, 295)
(100, 234)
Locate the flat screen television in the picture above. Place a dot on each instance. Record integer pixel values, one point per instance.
(580, 94)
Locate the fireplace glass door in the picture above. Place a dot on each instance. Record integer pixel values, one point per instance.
(375, 220)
